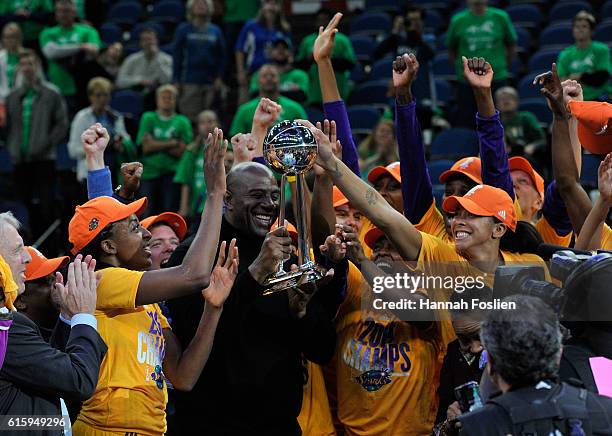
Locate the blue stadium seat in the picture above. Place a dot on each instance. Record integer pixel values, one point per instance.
(433, 20)
(358, 74)
(542, 60)
(363, 119)
(6, 165)
(314, 114)
(391, 6)
(128, 102)
(167, 48)
(159, 29)
(125, 13)
(590, 166)
(171, 11)
(438, 193)
(567, 9)
(523, 43)
(606, 10)
(63, 161)
(371, 92)
(441, 42)
(559, 36)
(130, 47)
(454, 143)
(444, 92)
(364, 46)
(517, 67)
(381, 69)
(442, 67)
(539, 108)
(373, 23)
(110, 33)
(603, 32)
(525, 15)
(437, 167)
(527, 90)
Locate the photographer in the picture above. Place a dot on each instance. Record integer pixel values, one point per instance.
(523, 352)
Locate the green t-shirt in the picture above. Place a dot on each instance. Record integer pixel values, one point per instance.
(11, 65)
(237, 11)
(483, 36)
(30, 28)
(78, 34)
(291, 80)
(176, 127)
(243, 119)
(523, 129)
(596, 57)
(343, 49)
(190, 172)
(26, 114)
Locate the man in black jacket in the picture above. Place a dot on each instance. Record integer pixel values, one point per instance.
(252, 383)
(35, 375)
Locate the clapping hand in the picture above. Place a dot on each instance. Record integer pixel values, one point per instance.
(214, 162)
(604, 179)
(223, 275)
(78, 294)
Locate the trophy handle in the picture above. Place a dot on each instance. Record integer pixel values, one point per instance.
(305, 257)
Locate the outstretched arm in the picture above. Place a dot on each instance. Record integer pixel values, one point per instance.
(406, 238)
(332, 102)
(590, 235)
(417, 191)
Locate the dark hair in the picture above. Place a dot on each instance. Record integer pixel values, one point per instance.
(525, 239)
(462, 178)
(523, 344)
(94, 248)
(586, 16)
(148, 30)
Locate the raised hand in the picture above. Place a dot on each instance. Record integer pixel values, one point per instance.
(405, 69)
(572, 91)
(244, 146)
(552, 90)
(324, 44)
(604, 179)
(94, 141)
(78, 294)
(333, 248)
(214, 165)
(266, 113)
(223, 275)
(131, 173)
(478, 72)
(354, 250)
(329, 129)
(325, 156)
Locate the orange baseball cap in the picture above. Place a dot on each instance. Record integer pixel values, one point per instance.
(92, 217)
(393, 169)
(373, 235)
(290, 228)
(594, 125)
(522, 164)
(40, 266)
(468, 166)
(338, 198)
(173, 220)
(485, 200)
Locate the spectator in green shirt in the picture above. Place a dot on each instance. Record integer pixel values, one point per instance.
(343, 60)
(587, 61)
(163, 135)
(66, 46)
(189, 172)
(522, 130)
(293, 82)
(269, 87)
(479, 31)
(9, 58)
(31, 15)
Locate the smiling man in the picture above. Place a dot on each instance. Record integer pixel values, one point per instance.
(167, 230)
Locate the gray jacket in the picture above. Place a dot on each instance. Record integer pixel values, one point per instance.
(49, 123)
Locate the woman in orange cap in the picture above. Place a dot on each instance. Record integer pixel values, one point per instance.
(142, 350)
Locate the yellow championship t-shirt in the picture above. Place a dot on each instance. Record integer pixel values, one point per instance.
(606, 238)
(387, 370)
(549, 234)
(131, 394)
(315, 417)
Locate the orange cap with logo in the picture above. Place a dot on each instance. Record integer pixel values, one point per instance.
(373, 235)
(40, 266)
(173, 220)
(290, 228)
(92, 217)
(594, 125)
(468, 166)
(518, 163)
(393, 169)
(338, 198)
(485, 200)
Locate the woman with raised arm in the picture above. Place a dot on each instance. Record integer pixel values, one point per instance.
(131, 393)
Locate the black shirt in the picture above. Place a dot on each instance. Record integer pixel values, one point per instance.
(252, 382)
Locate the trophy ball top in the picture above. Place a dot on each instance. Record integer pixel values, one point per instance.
(290, 148)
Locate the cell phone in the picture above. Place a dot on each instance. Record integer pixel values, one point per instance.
(468, 396)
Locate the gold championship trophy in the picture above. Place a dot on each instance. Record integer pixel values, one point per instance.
(291, 150)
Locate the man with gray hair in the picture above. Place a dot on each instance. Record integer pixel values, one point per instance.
(523, 351)
(35, 375)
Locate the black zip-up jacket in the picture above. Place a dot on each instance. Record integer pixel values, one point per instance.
(252, 382)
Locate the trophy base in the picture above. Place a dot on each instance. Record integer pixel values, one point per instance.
(282, 282)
